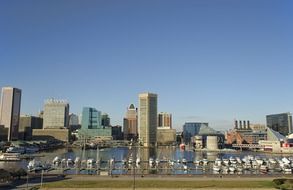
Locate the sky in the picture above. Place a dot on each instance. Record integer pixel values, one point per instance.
(208, 60)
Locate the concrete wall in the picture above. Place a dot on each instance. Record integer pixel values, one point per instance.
(46, 134)
(166, 136)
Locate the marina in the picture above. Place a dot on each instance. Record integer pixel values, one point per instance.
(161, 161)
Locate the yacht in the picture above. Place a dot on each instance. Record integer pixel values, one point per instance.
(56, 161)
(137, 161)
(13, 157)
(90, 163)
(218, 161)
(157, 161)
(216, 168)
(272, 161)
(226, 161)
(77, 162)
(14, 149)
(69, 162)
(34, 165)
(205, 162)
(184, 161)
(151, 162)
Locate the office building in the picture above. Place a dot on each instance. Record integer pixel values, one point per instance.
(147, 119)
(117, 132)
(106, 121)
(74, 122)
(55, 122)
(164, 120)
(91, 124)
(27, 124)
(56, 114)
(10, 111)
(281, 123)
(130, 123)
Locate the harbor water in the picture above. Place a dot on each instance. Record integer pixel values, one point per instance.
(124, 160)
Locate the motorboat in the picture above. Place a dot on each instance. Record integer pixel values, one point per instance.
(218, 161)
(137, 161)
(10, 157)
(226, 162)
(77, 162)
(151, 162)
(34, 165)
(184, 161)
(157, 162)
(14, 149)
(216, 168)
(90, 163)
(69, 162)
(56, 161)
(205, 162)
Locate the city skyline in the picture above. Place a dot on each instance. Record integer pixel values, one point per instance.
(208, 62)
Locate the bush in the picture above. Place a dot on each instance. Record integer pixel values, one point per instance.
(279, 182)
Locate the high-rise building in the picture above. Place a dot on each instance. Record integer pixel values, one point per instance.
(105, 120)
(164, 120)
(281, 123)
(91, 124)
(56, 114)
(26, 124)
(73, 122)
(10, 111)
(147, 119)
(130, 123)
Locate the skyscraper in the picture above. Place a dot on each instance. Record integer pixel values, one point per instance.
(10, 111)
(130, 123)
(56, 114)
(281, 123)
(164, 120)
(147, 119)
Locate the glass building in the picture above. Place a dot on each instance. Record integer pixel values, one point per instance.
(91, 124)
(281, 123)
(10, 111)
(191, 129)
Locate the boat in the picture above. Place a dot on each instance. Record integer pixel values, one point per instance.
(10, 157)
(151, 162)
(205, 162)
(69, 162)
(14, 149)
(90, 163)
(34, 165)
(56, 161)
(182, 147)
(226, 162)
(218, 161)
(157, 162)
(31, 150)
(185, 167)
(184, 161)
(264, 168)
(77, 162)
(137, 161)
(216, 168)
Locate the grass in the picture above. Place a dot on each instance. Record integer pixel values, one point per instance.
(160, 184)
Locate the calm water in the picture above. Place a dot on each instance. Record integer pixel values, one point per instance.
(119, 154)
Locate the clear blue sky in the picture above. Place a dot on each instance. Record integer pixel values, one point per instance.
(207, 60)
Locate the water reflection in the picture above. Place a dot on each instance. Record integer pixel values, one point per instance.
(172, 160)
